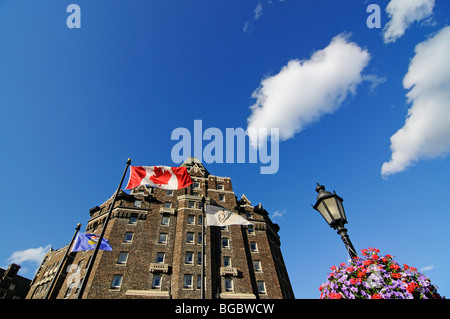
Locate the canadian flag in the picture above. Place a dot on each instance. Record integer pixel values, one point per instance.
(164, 177)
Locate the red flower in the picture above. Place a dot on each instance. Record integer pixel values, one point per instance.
(335, 295)
(412, 286)
(376, 296)
(333, 268)
(375, 256)
(396, 275)
(395, 267)
(350, 269)
(384, 259)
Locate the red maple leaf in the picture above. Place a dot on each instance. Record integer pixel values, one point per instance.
(159, 176)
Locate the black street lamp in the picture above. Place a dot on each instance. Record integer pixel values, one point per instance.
(330, 207)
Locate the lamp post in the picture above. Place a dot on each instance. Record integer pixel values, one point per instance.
(330, 207)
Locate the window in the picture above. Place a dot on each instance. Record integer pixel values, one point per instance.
(187, 282)
(191, 219)
(162, 238)
(80, 265)
(250, 229)
(165, 220)
(133, 220)
(69, 289)
(195, 185)
(219, 186)
(261, 287)
(156, 283)
(253, 246)
(160, 258)
(225, 242)
(200, 219)
(226, 261)
(257, 265)
(199, 258)
(191, 204)
(189, 259)
(169, 192)
(128, 237)
(137, 203)
(168, 205)
(116, 282)
(190, 237)
(221, 197)
(228, 284)
(199, 238)
(123, 257)
(199, 281)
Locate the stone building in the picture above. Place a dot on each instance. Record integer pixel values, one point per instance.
(156, 236)
(13, 286)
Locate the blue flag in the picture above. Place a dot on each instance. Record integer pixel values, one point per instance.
(88, 242)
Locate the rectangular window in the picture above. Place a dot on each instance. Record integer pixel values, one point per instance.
(156, 283)
(123, 257)
(199, 238)
(257, 265)
(191, 219)
(160, 258)
(169, 192)
(137, 203)
(250, 229)
(191, 204)
(189, 259)
(200, 219)
(128, 237)
(195, 185)
(226, 261)
(219, 186)
(187, 282)
(228, 284)
(190, 237)
(261, 287)
(221, 197)
(165, 220)
(199, 258)
(225, 242)
(168, 205)
(162, 238)
(199, 281)
(116, 282)
(133, 220)
(253, 246)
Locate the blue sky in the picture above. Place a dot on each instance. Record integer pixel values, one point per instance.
(76, 103)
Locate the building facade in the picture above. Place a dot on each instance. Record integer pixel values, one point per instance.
(13, 286)
(156, 236)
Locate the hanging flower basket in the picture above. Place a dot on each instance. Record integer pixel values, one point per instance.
(373, 276)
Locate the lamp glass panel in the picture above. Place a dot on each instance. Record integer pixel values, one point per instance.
(333, 207)
(323, 211)
(341, 207)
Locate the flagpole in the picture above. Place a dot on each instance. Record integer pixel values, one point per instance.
(91, 262)
(203, 248)
(47, 296)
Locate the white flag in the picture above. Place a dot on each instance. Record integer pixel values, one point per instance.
(219, 216)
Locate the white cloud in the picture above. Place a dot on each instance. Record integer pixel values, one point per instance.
(277, 215)
(427, 268)
(426, 133)
(258, 11)
(33, 255)
(402, 14)
(305, 90)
